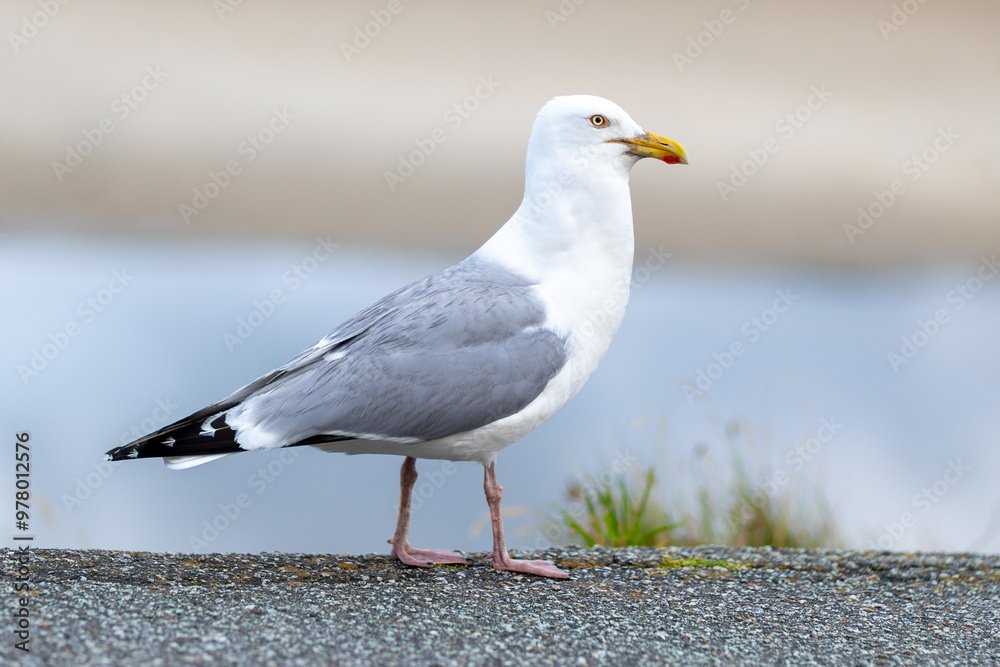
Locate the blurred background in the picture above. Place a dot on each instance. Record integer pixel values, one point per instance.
(193, 192)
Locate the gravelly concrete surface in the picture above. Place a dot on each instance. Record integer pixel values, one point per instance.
(622, 606)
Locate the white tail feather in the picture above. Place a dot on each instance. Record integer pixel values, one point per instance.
(182, 462)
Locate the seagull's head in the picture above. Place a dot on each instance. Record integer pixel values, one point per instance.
(577, 127)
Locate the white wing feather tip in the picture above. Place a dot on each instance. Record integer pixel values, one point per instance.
(206, 426)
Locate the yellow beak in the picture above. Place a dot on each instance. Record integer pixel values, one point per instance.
(655, 146)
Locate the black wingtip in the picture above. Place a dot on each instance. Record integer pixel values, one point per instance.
(133, 450)
(121, 453)
(187, 437)
(193, 436)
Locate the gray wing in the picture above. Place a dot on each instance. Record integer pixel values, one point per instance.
(453, 352)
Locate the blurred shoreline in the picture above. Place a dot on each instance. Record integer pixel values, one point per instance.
(121, 114)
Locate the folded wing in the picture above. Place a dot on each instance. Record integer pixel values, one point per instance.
(458, 350)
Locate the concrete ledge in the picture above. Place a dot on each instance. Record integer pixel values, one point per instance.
(704, 605)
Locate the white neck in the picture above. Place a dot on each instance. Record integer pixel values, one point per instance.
(576, 219)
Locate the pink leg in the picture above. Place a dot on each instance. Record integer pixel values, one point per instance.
(401, 548)
(501, 559)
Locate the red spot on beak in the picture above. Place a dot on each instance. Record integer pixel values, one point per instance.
(671, 159)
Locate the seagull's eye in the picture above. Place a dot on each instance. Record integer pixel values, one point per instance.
(597, 120)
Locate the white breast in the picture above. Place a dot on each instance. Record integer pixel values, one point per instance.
(584, 283)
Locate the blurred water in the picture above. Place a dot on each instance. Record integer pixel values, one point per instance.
(153, 334)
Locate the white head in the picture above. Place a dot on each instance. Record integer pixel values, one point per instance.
(573, 128)
(577, 211)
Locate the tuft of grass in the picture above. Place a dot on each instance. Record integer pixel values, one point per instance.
(735, 502)
(612, 518)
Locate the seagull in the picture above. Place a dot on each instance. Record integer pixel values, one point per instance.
(468, 360)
